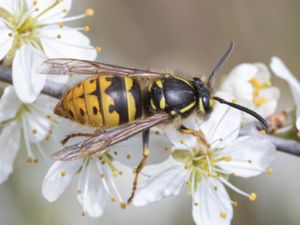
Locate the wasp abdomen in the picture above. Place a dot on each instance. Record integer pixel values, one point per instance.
(173, 95)
(102, 101)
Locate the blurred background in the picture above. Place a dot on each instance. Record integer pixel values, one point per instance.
(188, 36)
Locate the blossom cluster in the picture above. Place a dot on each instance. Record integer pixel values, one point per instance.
(200, 161)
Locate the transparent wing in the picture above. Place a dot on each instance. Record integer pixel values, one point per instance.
(80, 67)
(96, 145)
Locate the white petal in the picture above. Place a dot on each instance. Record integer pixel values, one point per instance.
(210, 203)
(38, 124)
(9, 104)
(263, 74)
(28, 84)
(58, 178)
(8, 5)
(55, 13)
(5, 40)
(223, 125)
(280, 69)
(250, 156)
(10, 144)
(72, 44)
(130, 152)
(93, 196)
(168, 182)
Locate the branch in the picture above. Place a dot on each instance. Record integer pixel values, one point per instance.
(51, 88)
(276, 121)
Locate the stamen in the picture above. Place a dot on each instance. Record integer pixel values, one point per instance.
(234, 204)
(86, 29)
(63, 173)
(90, 12)
(269, 171)
(252, 197)
(234, 188)
(98, 49)
(78, 191)
(223, 215)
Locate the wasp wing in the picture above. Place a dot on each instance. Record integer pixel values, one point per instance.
(81, 67)
(96, 145)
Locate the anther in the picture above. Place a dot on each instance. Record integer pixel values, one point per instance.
(35, 161)
(196, 203)
(10, 34)
(29, 160)
(58, 36)
(269, 171)
(82, 213)
(61, 25)
(252, 197)
(65, 10)
(98, 49)
(34, 131)
(128, 157)
(115, 173)
(90, 12)
(234, 100)
(234, 204)
(123, 205)
(35, 2)
(181, 141)
(86, 29)
(262, 132)
(102, 175)
(113, 199)
(223, 215)
(157, 132)
(78, 191)
(49, 116)
(62, 173)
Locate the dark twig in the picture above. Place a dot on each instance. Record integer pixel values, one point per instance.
(285, 145)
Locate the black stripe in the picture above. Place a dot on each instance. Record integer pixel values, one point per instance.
(97, 93)
(137, 95)
(157, 94)
(117, 91)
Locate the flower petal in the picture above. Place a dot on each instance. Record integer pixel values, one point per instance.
(58, 178)
(223, 125)
(28, 84)
(263, 74)
(9, 104)
(130, 152)
(169, 182)
(10, 144)
(250, 156)
(211, 204)
(280, 69)
(5, 40)
(70, 44)
(93, 196)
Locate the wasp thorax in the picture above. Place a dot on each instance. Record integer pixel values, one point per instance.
(202, 94)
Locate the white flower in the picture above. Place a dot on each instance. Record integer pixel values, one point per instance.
(33, 30)
(280, 69)
(22, 123)
(96, 185)
(251, 86)
(205, 162)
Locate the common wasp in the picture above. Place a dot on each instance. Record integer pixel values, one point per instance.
(117, 100)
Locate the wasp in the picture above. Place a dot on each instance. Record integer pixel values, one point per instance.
(115, 100)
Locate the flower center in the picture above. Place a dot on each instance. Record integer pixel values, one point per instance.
(257, 88)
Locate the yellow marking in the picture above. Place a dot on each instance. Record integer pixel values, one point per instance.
(201, 107)
(260, 101)
(162, 103)
(130, 99)
(110, 119)
(187, 108)
(79, 104)
(152, 104)
(69, 106)
(159, 83)
(149, 87)
(91, 101)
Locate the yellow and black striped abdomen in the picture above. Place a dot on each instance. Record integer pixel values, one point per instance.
(102, 101)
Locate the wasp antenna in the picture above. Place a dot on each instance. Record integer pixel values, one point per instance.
(246, 110)
(220, 64)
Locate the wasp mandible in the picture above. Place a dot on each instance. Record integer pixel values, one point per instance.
(115, 100)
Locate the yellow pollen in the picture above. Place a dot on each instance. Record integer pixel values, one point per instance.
(123, 205)
(263, 132)
(269, 171)
(58, 36)
(98, 49)
(65, 10)
(260, 101)
(115, 173)
(128, 157)
(30, 160)
(252, 197)
(235, 204)
(34, 131)
(61, 25)
(90, 12)
(62, 173)
(86, 29)
(181, 141)
(255, 82)
(78, 191)
(234, 100)
(113, 199)
(223, 215)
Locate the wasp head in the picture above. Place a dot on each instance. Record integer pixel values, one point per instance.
(202, 93)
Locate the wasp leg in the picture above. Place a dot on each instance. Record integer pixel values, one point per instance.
(140, 167)
(199, 134)
(68, 137)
